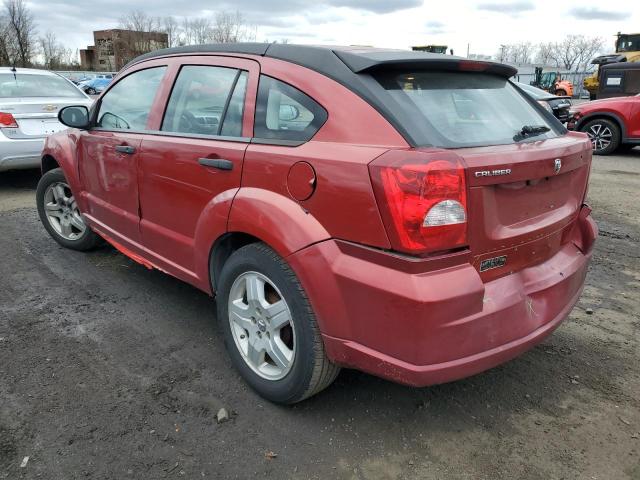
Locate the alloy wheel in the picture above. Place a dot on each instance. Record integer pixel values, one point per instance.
(62, 211)
(262, 325)
(600, 135)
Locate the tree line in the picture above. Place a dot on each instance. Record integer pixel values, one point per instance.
(574, 53)
(21, 46)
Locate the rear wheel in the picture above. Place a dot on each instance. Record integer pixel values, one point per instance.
(604, 135)
(269, 327)
(60, 215)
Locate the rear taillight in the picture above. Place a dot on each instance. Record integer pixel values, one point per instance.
(7, 121)
(422, 198)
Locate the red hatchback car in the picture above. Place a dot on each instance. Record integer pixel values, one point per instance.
(415, 216)
(612, 123)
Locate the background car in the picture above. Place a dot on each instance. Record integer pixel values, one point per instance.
(559, 105)
(29, 104)
(95, 85)
(612, 123)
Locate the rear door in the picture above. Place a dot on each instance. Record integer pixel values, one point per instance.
(109, 153)
(196, 154)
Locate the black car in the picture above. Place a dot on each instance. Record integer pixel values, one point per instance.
(558, 105)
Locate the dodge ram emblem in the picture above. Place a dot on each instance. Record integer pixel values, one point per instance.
(557, 165)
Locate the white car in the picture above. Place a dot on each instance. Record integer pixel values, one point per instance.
(29, 103)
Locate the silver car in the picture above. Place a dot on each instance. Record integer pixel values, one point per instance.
(29, 104)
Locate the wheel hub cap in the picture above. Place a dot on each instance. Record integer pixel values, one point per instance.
(62, 211)
(600, 135)
(262, 325)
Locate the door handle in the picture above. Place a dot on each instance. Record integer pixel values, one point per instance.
(126, 149)
(219, 163)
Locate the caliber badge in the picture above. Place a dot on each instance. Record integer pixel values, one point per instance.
(495, 262)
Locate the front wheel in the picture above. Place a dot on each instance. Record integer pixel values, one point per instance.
(60, 215)
(604, 135)
(269, 327)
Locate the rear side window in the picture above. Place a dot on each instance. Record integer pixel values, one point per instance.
(206, 101)
(127, 105)
(461, 109)
(285, 113)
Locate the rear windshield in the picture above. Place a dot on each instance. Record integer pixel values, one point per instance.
(34, 85)
(461, 109)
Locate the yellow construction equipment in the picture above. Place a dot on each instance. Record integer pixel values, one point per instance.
(627, 50)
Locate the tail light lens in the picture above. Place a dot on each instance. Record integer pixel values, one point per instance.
(423, 199)
(7, 121)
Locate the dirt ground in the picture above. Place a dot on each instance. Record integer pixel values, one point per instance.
(111, 371)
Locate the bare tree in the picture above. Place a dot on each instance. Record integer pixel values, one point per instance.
(229, 27)
(21, 32)
(5, 56)
(52, 51)
(201, 30)
(547, 53)
(171, 27)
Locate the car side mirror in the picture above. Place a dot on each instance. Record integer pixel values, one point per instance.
(74, 116)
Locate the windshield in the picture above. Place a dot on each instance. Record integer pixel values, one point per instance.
(33, 85)
(460, 109)
(628, 43)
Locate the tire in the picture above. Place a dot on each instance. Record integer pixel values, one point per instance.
(560, 92)
(307, 370)
(63, 223)
(592, 96)
(91, 91)
(601, 131)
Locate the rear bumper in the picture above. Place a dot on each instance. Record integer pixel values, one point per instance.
(20, 154)
(424, 328)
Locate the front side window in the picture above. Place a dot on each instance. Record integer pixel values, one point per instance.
(285, 113)
(128, 104)
(206, 101)
(463, 109)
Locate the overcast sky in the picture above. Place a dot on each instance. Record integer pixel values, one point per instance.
(484, 24)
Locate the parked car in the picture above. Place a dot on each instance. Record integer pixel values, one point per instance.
(558, 105)
(612, 123)
(95, 85)
(29, 103)
(411, 215)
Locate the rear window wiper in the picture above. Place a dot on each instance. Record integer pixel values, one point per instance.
(530, 131)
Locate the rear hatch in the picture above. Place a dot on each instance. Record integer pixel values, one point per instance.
(32, 99)
(522, 211)
(36, 117)
(490, 170)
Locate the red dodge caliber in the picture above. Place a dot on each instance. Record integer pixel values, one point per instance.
(415, 216)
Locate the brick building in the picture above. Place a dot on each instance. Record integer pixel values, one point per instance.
(113, 49)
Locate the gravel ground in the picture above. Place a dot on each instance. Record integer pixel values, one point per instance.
(112, 371)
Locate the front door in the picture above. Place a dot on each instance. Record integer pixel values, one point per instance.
(194, 160)
(110, 152)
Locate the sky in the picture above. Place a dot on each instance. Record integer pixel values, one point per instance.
(480, 25)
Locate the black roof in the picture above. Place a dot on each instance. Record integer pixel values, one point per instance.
(621, 66)
(351, 67)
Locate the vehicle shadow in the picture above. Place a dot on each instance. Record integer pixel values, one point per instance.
(19, 179)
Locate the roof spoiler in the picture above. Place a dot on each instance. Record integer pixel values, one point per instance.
(375, 61)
